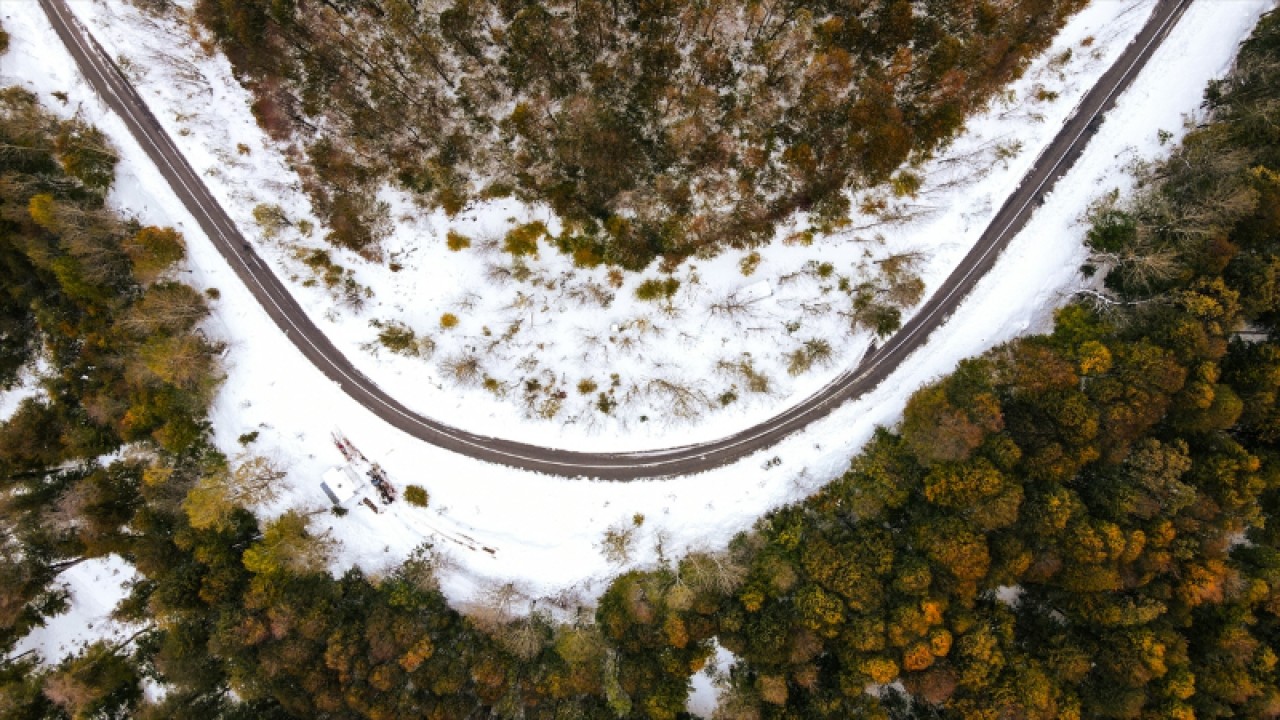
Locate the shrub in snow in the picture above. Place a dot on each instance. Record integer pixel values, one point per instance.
(457, 241)
(655, 289)
(416, 495)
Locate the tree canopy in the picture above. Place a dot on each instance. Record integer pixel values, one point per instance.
(652, 128)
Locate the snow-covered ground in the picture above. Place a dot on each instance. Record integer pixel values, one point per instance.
(542, 320)
(26, 385)
(545, 533)
(94, 588)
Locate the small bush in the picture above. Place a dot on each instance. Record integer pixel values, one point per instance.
(585, 257)
(452, 200)
(270, 219)
(618, 542)
(1045, 95)
(402, 340)
(457, 241)
(906, 184)
(463, 369)
(587, 386)
(605, 404)
(656, 289)
(523, 239)
(448, 320)
(329, 272)
(549, 407)
(520, 270)
(1113, 230)
(745, 370)
(749, 264)
(819, 350)
(213, 293)
(881, 319)
(813, 352)
(498, 190)
(416, 495)
(804, 238)
(247, 438)
(398, 338)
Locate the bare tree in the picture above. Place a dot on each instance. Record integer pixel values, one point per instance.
(718, 573)
(167, 308)
(682, 401)
(462, 368)
(734, 307)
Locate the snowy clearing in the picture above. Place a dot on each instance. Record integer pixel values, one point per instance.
(94, 587)
(26, 385)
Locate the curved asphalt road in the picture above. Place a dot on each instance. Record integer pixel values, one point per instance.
(120, 96)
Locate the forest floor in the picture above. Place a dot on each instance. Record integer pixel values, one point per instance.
(546, 533)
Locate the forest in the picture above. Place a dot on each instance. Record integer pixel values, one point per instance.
(652, 128)
(1081, 524)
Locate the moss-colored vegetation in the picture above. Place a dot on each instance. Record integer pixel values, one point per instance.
(523, 239)
(416, 495)
(456, 241)
(655, 289)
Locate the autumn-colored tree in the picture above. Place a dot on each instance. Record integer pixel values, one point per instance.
(937, 430)
(153, 251)
(253, 481)
(286, 545)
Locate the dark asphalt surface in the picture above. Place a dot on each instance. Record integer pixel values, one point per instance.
(120, 96)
